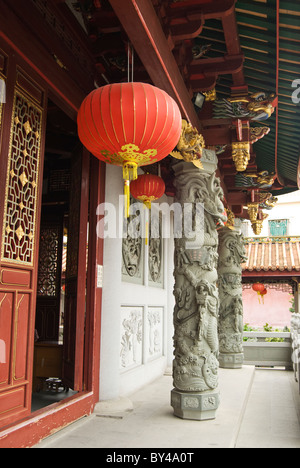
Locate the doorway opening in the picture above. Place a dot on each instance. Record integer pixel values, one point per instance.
(61, 224)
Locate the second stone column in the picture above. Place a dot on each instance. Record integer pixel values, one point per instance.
(232, 254)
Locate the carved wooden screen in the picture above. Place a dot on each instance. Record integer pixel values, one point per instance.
(22, 153)
(49, 274)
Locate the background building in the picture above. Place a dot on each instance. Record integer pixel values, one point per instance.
(274, 251)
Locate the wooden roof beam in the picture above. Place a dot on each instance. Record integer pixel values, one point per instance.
(185, 20)
(233, 44)
(145, 32)
(200, 70)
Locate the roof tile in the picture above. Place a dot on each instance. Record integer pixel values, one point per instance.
(273, 254)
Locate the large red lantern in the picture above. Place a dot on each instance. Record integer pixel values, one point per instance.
(129, 125)
(147, 188)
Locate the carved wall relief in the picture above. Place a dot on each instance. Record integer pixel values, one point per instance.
(131, 353)
(155, 254)
(135, 254)
(154, 327)
(142, 336)
(133, 251)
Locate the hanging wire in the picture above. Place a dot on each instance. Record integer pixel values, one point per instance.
(130, 54)
(128, 62)
(132, 69)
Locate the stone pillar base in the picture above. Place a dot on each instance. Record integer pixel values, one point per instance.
(195, 406)
(231, 361)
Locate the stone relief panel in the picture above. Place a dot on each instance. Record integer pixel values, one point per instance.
(142, 336)
(139, 255)
(133, 251)
(131, 349)
(155, 254)
(154, 328)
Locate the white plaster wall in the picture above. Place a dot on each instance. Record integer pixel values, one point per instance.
(117, 295)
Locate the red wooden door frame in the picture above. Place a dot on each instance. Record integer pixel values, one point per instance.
(29, 431)
(25, 90)
(43, 423)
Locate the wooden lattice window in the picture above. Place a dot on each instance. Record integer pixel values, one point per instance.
(19, 225)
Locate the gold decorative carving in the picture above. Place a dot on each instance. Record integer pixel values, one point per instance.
(263, 178)
(257, 227)
(20, 233)
(190, 145)
(210, 95)
(253, 211)
(230, 219)
(257, 133)
(27, 127)
(130, 153)
(23, 179)
(257, 224)
(241, 155)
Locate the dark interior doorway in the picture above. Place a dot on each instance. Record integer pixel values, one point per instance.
(58, 261)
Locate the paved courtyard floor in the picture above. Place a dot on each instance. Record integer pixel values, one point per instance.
(259, 409)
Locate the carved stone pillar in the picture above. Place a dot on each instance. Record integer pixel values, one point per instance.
(232, 254)
(195, 366)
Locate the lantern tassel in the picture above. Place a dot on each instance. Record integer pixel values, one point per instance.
(129, 173)
(147, 233)
(130, 170)
(127, 197)
(147, 204)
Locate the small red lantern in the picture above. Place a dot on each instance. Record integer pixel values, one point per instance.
(262, 295)
(261, 290)
(129, 125)
(258, 287)
(147, 188)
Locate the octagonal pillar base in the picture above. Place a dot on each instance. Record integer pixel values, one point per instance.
(195, 406)
(231, 360)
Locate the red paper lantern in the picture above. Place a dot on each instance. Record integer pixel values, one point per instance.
(147, 188)
(262, 295)
(258, 287)
(129, 125)
(261, 290)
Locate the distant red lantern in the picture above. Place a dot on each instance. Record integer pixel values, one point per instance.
(147, 188)
(263, 294)
(261, 290)
(129, 125)
(258, 287)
